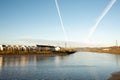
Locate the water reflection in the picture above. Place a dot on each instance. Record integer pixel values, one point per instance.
(83, 59)
(59, 59)
(0, 63)
(25, 60)
(117, 57)
(16, 60)
(82, 65)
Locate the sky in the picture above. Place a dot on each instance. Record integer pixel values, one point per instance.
(39, 20)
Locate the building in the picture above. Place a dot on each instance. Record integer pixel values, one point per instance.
(48, 48)
(1, 48)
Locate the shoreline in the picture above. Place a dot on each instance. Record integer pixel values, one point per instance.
(36, 52)
(30, 50)
(41, 54)
(110, 50)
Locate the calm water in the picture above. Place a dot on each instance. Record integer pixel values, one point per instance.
(78, 66)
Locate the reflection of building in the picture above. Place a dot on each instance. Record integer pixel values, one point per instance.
(1, 63)
(117, 57)
(16, 60)
(24, 60)
(57, 60)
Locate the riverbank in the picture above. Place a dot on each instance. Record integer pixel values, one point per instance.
(115, 76)
(37, 49)
(110, 50)
(37, 52)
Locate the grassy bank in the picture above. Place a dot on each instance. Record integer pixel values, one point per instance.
(112, 50)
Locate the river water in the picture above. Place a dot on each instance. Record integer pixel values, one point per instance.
(77, 66)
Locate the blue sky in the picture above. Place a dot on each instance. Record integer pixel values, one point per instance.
(38, 19)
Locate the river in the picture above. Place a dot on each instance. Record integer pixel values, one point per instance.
(77, 66)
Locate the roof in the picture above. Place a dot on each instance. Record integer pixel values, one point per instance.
(45, 46)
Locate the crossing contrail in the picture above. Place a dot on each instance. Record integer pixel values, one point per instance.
(92, 30)
(61, 21)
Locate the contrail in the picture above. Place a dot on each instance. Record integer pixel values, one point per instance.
(92, 30)
(61, 21)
